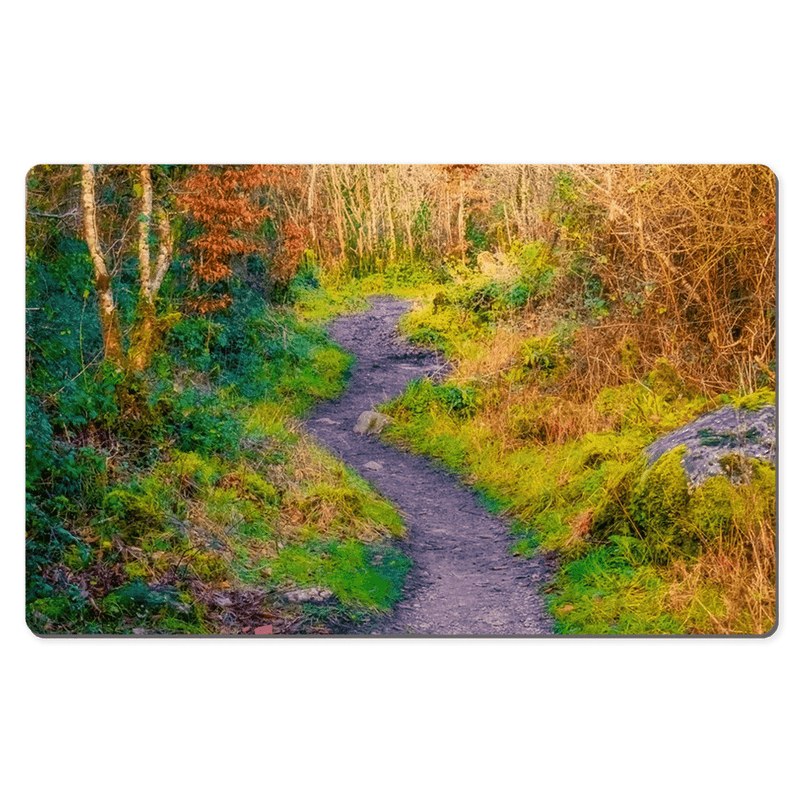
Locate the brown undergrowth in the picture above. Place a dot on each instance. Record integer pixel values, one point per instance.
(685, 257)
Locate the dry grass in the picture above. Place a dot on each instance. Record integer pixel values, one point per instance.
(731, 587)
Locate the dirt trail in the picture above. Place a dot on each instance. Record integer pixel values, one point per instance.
(463, 580)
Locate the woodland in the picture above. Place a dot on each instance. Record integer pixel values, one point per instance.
(176, 339)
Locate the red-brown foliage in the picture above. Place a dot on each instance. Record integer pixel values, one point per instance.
(222, 201)
(230, 203)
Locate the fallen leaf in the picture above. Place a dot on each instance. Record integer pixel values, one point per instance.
(263, 629)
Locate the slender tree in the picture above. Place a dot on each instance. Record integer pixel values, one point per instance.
(109, 317)
(147, 327)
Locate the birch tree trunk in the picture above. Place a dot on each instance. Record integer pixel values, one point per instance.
(145, 214)
(147, 330)
(109, 318)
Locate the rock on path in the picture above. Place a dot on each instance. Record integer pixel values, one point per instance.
(463, 582)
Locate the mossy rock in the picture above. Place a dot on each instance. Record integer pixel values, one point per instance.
(662, 517)
(722, 442)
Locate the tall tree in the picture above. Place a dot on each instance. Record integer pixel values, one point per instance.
(146, 326)
(109, 316)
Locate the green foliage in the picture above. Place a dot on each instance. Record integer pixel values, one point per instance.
(637, 406)
(572, 211)
(62, 327)
(202, 425)
(601, 593)
(658, 508)
(542, 356)
(665, 380)
(476, 235)
(538, 270)
(120, 533)
(422, 395)
(137, 596)
(268, 354)
(618, 525)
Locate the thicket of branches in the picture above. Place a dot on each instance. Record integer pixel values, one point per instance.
(686, 257)
(676, 261)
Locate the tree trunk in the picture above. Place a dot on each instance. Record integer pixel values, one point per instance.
(338, 215)
(144, 224)
(109, 318)
(148, 329)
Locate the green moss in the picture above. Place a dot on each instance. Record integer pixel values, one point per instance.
(139, 507)
(254, 485)
(752, 402)
(658, 507)
(136, 570)
(209, 567)
(711, 508)
(611, 514)
(192, 469)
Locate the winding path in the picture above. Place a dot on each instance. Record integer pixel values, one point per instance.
(463, 582)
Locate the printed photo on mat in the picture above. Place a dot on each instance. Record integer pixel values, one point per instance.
(401, 400)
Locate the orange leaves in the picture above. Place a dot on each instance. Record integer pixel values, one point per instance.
(229, 203)
(207, 305)
(224, 202)
(294, 240)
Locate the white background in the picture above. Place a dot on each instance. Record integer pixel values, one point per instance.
(613, 82)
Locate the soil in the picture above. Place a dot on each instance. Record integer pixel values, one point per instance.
(463, 580)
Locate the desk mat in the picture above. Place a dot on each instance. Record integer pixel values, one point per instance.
(401, 400)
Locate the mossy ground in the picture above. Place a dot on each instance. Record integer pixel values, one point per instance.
(198, 513)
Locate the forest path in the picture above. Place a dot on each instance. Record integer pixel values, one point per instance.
(463, 580)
